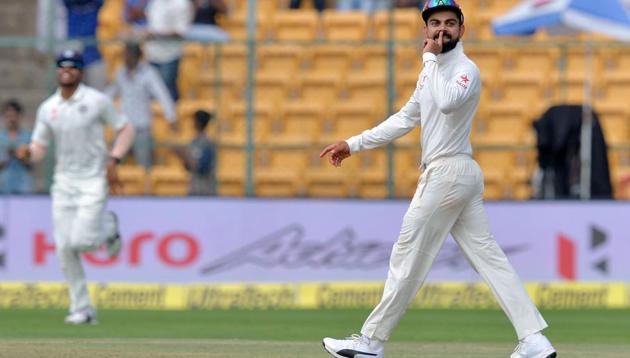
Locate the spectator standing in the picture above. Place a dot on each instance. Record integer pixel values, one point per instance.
(135, 16)
(204, 26)
(82, 24)
(168, 21)
(137, 83)
(199, 158)
(320, 5)
(15, 174)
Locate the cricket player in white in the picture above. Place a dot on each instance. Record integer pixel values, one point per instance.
(74, 119)
(448, 197)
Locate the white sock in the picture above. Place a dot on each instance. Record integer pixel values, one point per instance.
(532, 336)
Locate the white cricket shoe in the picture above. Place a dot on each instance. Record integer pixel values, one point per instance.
(79, 318)
(534, 346)
(356, 346)
(113, 243)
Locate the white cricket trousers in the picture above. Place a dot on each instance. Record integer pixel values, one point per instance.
(449, 199)
(79, 226)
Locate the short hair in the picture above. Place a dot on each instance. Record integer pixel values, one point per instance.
(133, 48)
(12, 104)
(202, 118)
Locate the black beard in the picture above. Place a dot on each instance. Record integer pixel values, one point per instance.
(448, 46)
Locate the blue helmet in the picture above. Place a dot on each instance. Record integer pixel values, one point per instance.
(432, 6)
(70, 58)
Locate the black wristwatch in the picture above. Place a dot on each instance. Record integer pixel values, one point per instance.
(115, 159)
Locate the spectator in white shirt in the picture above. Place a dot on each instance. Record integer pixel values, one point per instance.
(168, 21)
(137, 83)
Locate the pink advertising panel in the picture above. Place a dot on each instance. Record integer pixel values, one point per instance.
(213, 240)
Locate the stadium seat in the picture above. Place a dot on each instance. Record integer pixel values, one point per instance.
(370, 58)
(405, 87)
(407, 160)
(506, 124)
(410, 139)
(274, 58)
(279, 170)
(232, 59)
(408, 61)
(233, 127)
(323, 180)
(235, 24)
(519, 76)
(295, 25)
(348, 119)
(273, 87)
(344, 26)
(490, 61)
(614, 118)
(231, 170)
(406, 23)
(323, 88)
(133, 179)
(370, 87)
(224, 88)
(169, 180)
(300, 123)
(330, 59)
(496, 166)
(520, 174)
(372, 174)
(191, 63)
(620, 177)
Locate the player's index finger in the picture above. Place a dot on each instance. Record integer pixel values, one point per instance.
(325, 151)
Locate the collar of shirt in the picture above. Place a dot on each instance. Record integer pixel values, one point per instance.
(452, 55)
(76, 96)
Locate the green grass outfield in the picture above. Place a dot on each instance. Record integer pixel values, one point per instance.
(298, 333)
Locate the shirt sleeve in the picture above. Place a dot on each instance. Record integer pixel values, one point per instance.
(183, 16)
(110, 115)
(42, 132)
(113, 89)
(158, 90)
(393, 127)
(450, 93)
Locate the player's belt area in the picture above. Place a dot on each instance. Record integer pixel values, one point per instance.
(443, 159)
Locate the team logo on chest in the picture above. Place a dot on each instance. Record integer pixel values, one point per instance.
(83, 109)
(463, 81)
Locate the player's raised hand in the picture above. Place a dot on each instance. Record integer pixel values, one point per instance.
(338, 152)
(434, 46)
(115, 185)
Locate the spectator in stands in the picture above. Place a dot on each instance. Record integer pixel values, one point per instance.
(82, 23)
(204, 26)
(369, 6)
(15, 174)
(199, 158)
(410, 3)
(168, 21)
(135, 15)
(320, 5)
(136, 83)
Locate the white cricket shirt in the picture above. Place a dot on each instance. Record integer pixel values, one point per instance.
(76, 128)
(167, 17)
(444, 104)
